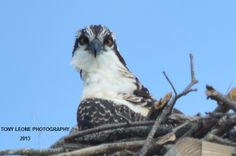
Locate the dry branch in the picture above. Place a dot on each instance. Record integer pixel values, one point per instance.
(216, 139)
(172, 136)
(105, 148)
(168, 109)
(131, 145)
(195, 127)
(224, 124)
(220, 98)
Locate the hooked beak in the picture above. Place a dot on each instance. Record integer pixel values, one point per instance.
(96, 46)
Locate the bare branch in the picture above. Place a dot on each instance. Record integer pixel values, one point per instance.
(105, 148)
(171, 84)
(224, 124)
(192, 130)
(193, 79)
(167, 110)
(214, 138)
(192, 68)
(172, 135)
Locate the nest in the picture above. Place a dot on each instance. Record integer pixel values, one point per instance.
(152, 137)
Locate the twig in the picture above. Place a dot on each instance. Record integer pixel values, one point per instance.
(192, 69)
(188, 89)
(167, 110)
(155, 128)
(171, 84)
(45, 152)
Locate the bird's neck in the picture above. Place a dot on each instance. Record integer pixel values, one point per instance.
(104, 76)
(107, 80)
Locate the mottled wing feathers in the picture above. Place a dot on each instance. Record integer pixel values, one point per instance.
(95, 112)
(140, 96)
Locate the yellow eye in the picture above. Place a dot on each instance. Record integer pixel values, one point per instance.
(108, 42)
(83, 40)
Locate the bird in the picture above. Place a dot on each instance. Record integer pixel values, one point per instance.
(111, 92)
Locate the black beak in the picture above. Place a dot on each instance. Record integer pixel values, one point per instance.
(96, 46)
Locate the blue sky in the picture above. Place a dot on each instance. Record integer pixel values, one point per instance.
(39, 86)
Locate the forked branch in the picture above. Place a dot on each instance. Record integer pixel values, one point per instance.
(168, 109)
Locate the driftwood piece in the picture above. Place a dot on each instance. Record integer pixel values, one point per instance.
(220, 98)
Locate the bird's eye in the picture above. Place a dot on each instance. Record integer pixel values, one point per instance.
(83, 40)
(108, 42)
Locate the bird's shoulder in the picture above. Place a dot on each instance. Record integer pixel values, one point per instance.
(140, 96)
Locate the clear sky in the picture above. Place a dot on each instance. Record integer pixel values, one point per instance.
(39, 86)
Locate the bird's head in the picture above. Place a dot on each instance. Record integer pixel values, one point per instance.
(95, 45)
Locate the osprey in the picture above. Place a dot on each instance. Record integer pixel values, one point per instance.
(111, 93)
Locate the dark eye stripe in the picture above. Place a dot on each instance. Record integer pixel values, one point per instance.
(75, 46)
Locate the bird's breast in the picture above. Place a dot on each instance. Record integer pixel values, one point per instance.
(106, 85)
(111, 87)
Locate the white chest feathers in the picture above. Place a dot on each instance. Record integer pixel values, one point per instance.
(106, 77)
(106, 83)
